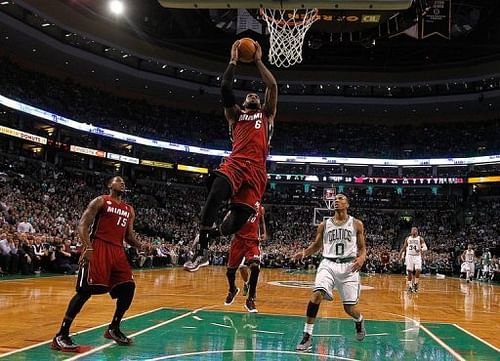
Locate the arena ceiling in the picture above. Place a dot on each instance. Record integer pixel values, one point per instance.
(340, 43)
(39, 51)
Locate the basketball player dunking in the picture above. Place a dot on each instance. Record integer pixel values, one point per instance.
(245, 247)
(104, 266)
(242, 177)
(413, 247)
(342, 238)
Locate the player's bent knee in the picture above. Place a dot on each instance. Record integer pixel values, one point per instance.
(236, 219)
(97, 290)
(123, 290)
(254, 265)
(317, 296)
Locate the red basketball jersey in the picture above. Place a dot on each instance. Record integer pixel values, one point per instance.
(251, 135)
(110, 224)
(251, 230)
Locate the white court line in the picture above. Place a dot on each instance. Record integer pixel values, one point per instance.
(102, 347)
(220, 325)
(302, 354)
(441, 342)
(271, 332)
(410, 329)
(197, 318)
(324, 335)
(477, 337)
(433, 336)
(376, 334)
(78, 333)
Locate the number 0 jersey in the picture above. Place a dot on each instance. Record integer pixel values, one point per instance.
(110, 224)
(340, 241)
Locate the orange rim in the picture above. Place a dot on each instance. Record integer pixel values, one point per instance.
(286, 22)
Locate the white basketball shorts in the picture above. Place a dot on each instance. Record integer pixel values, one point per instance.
(413, 263)
(332, 275)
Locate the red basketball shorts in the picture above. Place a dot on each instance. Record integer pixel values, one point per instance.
(109, 267)
(243, 248)
(247, 179)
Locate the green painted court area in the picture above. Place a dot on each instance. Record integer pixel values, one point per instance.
(168, 334)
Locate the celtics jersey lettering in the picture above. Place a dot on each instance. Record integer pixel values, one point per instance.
(340, 241)
(413, 246)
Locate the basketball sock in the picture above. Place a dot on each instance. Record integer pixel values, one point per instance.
(416, 281)
(124, 295)
(231, 277)
(308, 328)
(358, 319)
(65, 325)
(254, 277)
(204, 238)
(74, 307)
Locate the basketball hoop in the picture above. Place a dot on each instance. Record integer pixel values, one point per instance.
(287, 30)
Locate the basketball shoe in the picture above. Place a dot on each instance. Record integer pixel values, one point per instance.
(199, 260)
(306, 343)
(360, 330)
(118, 336)
(64, 344)
(250, 305)
(231, 296)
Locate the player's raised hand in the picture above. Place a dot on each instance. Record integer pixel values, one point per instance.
(234, 51)
(258, 52)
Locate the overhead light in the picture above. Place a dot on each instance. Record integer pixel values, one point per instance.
(4, 3)
(164, 66)
(44, 25)
(125, 56)
(116, 7)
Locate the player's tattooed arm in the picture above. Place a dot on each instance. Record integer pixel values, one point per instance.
(271, 96)
(87, 219)
(360, 236)
(313, 247)
(130, 234)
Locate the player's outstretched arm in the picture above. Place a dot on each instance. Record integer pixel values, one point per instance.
(83, 226)
(360, 236)
(130, 235)
(271, 98)
(231, 109)
(313, 247)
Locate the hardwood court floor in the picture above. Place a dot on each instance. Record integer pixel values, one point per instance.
(31, 310)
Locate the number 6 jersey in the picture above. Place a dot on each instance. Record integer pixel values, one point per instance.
(110, 224)
(340, 241)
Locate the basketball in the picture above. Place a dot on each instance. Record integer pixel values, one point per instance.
(246, 50)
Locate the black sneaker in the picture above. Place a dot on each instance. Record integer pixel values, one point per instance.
(64, 344)
(231, 296)
(201, 260)
(245, 289)
(250, 305)
(118, 336)
(415, 287)
(306, 343)
(360, 330)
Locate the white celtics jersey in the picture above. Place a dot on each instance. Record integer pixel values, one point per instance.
(469, 255)
(340, 241)
(413, 246)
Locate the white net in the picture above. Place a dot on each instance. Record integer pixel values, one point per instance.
(287, 30)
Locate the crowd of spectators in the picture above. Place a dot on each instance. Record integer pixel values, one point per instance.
(138, 117)
(40, 206)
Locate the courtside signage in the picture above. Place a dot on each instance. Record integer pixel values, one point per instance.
(89, 128)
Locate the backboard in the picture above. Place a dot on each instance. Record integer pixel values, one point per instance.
(290, 4)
